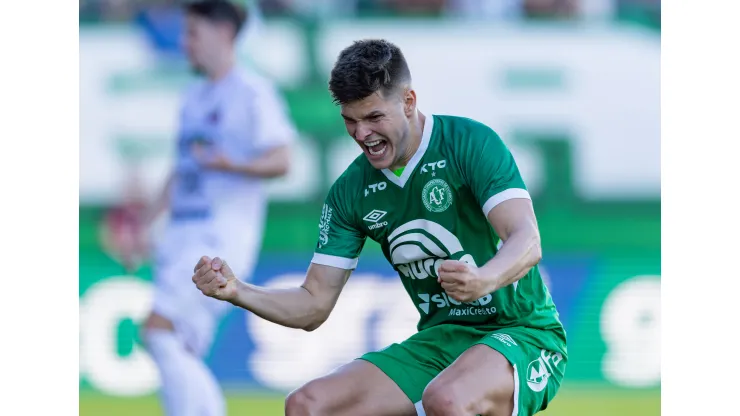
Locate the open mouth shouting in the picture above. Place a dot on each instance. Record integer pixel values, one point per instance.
(376, 148)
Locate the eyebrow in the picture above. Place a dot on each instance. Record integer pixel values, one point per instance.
(371, 114)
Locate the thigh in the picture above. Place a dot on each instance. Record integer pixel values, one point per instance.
(193, 315)
(358, 388)
(193, 323)
(239, 243)
(481, 381)
(415, 362)
(513, 371)
(538, 359)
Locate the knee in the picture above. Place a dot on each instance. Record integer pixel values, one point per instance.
(304, 401)
(450, 399)
(154, 322)
(441, 399)
(155, 327)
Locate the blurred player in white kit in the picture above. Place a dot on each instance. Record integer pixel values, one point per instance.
(233, 132)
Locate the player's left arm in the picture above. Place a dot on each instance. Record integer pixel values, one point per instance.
(515, 222)
(493, 176)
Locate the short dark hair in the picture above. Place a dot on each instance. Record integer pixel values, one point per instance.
(219, 11)
(365, 67)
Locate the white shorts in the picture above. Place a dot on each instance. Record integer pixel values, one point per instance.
(194, 315)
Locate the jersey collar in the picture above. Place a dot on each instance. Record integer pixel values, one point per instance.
(426, 135)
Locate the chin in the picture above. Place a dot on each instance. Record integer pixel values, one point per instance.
(380, 165)
(197, 69)
(384, 163)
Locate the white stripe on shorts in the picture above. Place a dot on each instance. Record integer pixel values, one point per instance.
(419, 409)
(515, 412)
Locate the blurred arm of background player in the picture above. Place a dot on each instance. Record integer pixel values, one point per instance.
(271, 164)
(305, 307)
(272, 139)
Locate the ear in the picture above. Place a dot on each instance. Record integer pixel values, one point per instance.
(409, 102)
(226, 30)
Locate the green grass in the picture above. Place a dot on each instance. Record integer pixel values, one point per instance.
(571, 401)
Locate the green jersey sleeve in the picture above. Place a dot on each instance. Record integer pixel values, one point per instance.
(490, 170)
(340, 242)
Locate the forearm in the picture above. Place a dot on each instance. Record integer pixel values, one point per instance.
(293, 308)
(270, 165)
(516, 257)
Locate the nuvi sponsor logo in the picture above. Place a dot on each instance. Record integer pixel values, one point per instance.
(441, 301)
(419, 247)
(410, 245)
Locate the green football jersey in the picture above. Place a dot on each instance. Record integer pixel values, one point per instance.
(436, 209)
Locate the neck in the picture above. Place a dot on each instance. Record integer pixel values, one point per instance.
(415, 133)
(221, 68)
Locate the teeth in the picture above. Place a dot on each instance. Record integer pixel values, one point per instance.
(379, 152)
(371, 144)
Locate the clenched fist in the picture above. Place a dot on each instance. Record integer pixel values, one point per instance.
(462, 281)
(215, 279)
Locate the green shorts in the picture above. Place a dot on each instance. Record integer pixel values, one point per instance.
(538, 357)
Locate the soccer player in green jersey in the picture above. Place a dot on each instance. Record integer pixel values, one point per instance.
(443, 197)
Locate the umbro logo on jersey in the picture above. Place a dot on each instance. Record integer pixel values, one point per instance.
(374, 216)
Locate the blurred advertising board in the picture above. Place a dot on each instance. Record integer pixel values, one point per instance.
(610, 306)
(598, 87)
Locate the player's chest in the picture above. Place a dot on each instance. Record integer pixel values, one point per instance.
(431, 194)
(210, 122)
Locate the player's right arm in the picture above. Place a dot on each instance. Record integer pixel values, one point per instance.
(305, 307)
(309, 305)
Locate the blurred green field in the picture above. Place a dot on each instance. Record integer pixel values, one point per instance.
(571, 401)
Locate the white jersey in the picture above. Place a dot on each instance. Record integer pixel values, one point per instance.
(240, 116)
(215, 213)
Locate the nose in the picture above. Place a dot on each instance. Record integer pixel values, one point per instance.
(362, 132)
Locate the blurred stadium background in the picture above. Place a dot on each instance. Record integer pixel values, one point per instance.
(572, 86)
